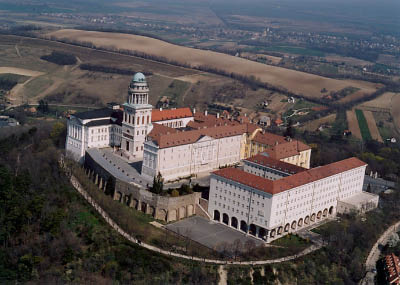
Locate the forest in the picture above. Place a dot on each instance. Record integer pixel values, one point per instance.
(49, 234)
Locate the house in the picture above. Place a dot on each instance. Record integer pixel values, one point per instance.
(264, 121)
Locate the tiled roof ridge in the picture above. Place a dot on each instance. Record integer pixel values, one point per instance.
(185, 137)
(267, 161)
(170, 114)
(392, 263)
(289, 182)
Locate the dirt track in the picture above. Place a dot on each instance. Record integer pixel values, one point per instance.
(19, 71)
(295, 81)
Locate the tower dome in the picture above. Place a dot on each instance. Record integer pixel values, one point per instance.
(139, 77)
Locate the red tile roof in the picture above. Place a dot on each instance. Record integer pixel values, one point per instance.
(392, 266)
(289, 182)
(264, 160)
(159, 130)
(287, 149)
(164, 140)
(268, 139)
(170, 114)
(280, 147)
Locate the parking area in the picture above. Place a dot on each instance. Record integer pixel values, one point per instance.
(211, 234)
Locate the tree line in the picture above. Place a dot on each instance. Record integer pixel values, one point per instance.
(110, 69)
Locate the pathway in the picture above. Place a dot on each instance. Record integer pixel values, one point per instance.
(374, 254)
(116, 227)
(223, 275)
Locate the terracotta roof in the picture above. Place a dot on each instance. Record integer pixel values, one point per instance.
(266, 161)
(159, 130)
(201, 120)
(392, 266)
(164, 140)
(246, 178)
(170, 114)
(242, 119)
(268, 139)
(279, 146)
(286, 149)
(289, 182)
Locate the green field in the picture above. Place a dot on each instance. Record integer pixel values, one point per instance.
(362, 123)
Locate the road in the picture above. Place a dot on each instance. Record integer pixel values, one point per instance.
(375, 252)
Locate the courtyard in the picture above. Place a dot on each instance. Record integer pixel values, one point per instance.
(210, 234)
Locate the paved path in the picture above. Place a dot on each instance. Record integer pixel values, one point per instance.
(375, 252)
(111, 222)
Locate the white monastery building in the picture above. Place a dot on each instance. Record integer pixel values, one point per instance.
(274, 193)
(270, 198)
(123, 127)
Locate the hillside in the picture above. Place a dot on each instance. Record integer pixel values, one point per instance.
(298, 82)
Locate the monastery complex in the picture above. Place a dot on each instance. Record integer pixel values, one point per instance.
(260, 183)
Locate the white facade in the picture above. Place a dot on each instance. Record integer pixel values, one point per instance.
(185, 160)
(268, 216)
(175, 123)
(88, 132)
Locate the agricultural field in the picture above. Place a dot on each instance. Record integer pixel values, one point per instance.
(362, 123)
(395, 111)
(315, 124)
(73, 86)
(353, 124)
(373, 129)
(308, 85)
(385, 111)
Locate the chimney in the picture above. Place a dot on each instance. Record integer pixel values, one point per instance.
(245, 114)
(205, 113)
(161, 109)
(194, 110)
(217, 115)
(276, 143)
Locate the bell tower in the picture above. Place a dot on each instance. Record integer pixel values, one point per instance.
(136, 122)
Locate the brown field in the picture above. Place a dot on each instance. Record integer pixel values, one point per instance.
(308, 85)
(384, 101)
(368, 89)
(348, 60)
(315, 124)
(373, 129)
(353, 124)
(396, 111)
(273, 59)
(71, 85)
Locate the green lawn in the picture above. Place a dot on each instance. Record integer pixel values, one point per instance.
(290, 241)
(362, 122)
